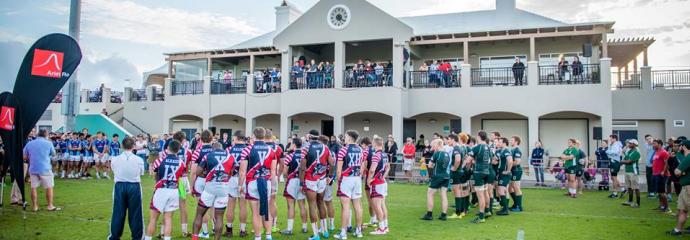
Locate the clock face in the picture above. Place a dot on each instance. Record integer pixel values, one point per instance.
(338, 17)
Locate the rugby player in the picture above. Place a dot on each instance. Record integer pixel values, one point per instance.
(440, 163)
(569, 157)
(516, 171)
(505, 163)
(376, 180)
(257, 163)
(184, 187)
(100, 155)
(216, 166)
(198, 181)
(457, 175)
(480, 157)
(365, 143)
(328, 192)
(313, 176)
(239, 144)
(278, 150)
(348, 167)
(293, 192)
(166, 197)
(74, 146)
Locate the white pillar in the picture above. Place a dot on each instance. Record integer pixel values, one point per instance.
(397, 130)
(286, 64)
(249, 123)
(205, 123)
(207, 86)
(532, 49)
(285, 128)
(168, 87)
(532, 131)
(604, 46)
(339, 63)
(398, 67)
(127, 93)
(250, 78)
(466, 124)
(646, 78)
(465, 75)
(84, 95)
(338, 125)
(150, 93)
(466, 52)
(106, 95)
(532, 73)
(605, 72)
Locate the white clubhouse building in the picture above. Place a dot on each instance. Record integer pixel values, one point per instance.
(613, 90)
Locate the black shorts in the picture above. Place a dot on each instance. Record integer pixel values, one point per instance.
(455, 177)
(438, 183)
(481, 179)
(615, 167)
(659, 182)
(504, 179)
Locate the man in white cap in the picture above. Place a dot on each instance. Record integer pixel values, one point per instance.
(631, 159)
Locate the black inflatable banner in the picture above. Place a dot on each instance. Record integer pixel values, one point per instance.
(46, 68)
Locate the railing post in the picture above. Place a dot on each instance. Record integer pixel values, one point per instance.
(150, 93)
(339, 65)
(532, 73)
(85, 95)
(285, 72)
(167, 89)
(250, 78)
(646, 78)
(105, 98)
(127, 94)
(207, 85)
(465, 75)
(605, 72)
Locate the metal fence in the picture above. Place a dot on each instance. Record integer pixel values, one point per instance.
(267, 85)
(555, 75)
(137, 95)
(311, 80)
(189, 87)
(671, 79)
(500, 76)
(372, 78)
(433, 79)
(228, 86)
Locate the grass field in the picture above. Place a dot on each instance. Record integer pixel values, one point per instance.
(549, 215)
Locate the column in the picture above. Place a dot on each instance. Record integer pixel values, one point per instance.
(127, 94)
(627, 73)
(532, 49)
(207, 86)
(338, 125)
(532, 131)
(604, 46)
(285, 128)
(466, 123)
(339, 64)
(635, 66)
(150, 93)
(286, 63)
(465, 75)
(205, 123)
(605, 72)
(84, 95)
(106, 95)
(170, 69)
(466, 52)
(646, 78)
(167, 89)
(644, 58)
(250, 78)
(606, 124)
(397, 130)
(398, 68)
(532, 73)
(249, 123)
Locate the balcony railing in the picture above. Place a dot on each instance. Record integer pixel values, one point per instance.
(555, 75)
(621, 81)
(373, 78)
(116, 96)
(311, 80)
(503, 76)
(228, 86)
(158, 94)
(671, 79)
(137, 95)
(188, 87)
(267, 85)
(433, 79)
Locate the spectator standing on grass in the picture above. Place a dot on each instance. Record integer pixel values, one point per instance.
(615, 152)
(537, 162)
(391, 148)
(408, 158)
(127, 199)
(518, 71)
(603, 163)
(38, 153)
(684, 196)
(632, 171)
(648, 145)
(660, 173)
(141, 147)
(420, 144)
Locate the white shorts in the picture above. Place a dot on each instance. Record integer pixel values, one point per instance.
(234, 188)
(87, 159)
(318, 186)
(74, 158)
(407, 164)
(215, 195)
(253, 191)
(198, 186)
(328, 193)
(379, 190)
(293, 190)
(42, 180)
(65, 157)
(101, 159)
(350, 187)
(165, 200)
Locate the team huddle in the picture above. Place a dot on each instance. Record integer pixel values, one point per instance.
(77, 152)
(486, 168)
(248, 172)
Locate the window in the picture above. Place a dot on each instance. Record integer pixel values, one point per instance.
(190, 69)
(500, 61)
(679, 123)
(625, 124)
(47, 115)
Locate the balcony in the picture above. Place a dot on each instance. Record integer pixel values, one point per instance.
(270, 84)
(382, 77)
(499, 76)
(621, 80)
(434, 79)
(188, 87)
(228, 86)
(311, 80)
(555, 75)
(137, 95)
(671, 79)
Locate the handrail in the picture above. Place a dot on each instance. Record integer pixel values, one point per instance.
(116, 111)
(135, 126)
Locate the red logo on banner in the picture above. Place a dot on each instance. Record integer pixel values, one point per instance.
(7, 118)
(47, 63)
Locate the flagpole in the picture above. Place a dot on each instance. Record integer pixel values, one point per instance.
(70, 107)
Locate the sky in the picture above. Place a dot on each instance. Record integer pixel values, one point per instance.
(122, 39)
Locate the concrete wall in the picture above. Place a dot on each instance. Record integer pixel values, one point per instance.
(228, 122)
(148, 115)
(379, 124)
(308, 121)
(427, 126)
(661, 104)
(554, 133)
(270, 121)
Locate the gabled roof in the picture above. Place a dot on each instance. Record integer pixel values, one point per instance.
(264, 40)
(478, 21)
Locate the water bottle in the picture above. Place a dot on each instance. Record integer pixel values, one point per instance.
(521, 234)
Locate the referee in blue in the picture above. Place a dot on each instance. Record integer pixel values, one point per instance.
(127, 169)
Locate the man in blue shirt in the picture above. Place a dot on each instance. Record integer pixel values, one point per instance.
(651, 191)
(37, 153)
(615, 153)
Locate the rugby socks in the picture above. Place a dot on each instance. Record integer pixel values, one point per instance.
(315, 229)
(514, 198)
(637, 195)
(343, 231)
(330, 221)
(184, 227)
(257, 237)
(323, 225)
(519, 201)
(458, 205)
(290, 222)
(204, 227)
(630, 195)
(304, 226)
(243, 227)
(148, 238)
(162, 229)
(373, 219)
(474, 198)
(167, 238)
(504, 203)
(268, 235)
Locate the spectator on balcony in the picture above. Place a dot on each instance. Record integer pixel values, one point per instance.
(389, 65)
(444, 70)
(378, 69)
(275, 78)
(576, 66)
(295, 74)
(518, 71)
(328, 73)
(104, 112)
(424, 67)
(563, 69)
(433, 73)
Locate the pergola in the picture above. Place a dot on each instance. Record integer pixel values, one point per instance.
(623, 51)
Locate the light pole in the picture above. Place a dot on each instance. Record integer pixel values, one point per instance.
(70, 107)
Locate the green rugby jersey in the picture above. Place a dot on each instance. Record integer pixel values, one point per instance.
(571, 151)
(458, 150)
(502, 154)
(634, 156)
(482, 158)
(517, 154)
(441, 162)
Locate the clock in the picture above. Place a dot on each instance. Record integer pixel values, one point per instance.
(338, 17)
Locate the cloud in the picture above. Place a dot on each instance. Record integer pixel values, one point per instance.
(164, 26)
(111, 70)
(11, 58)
